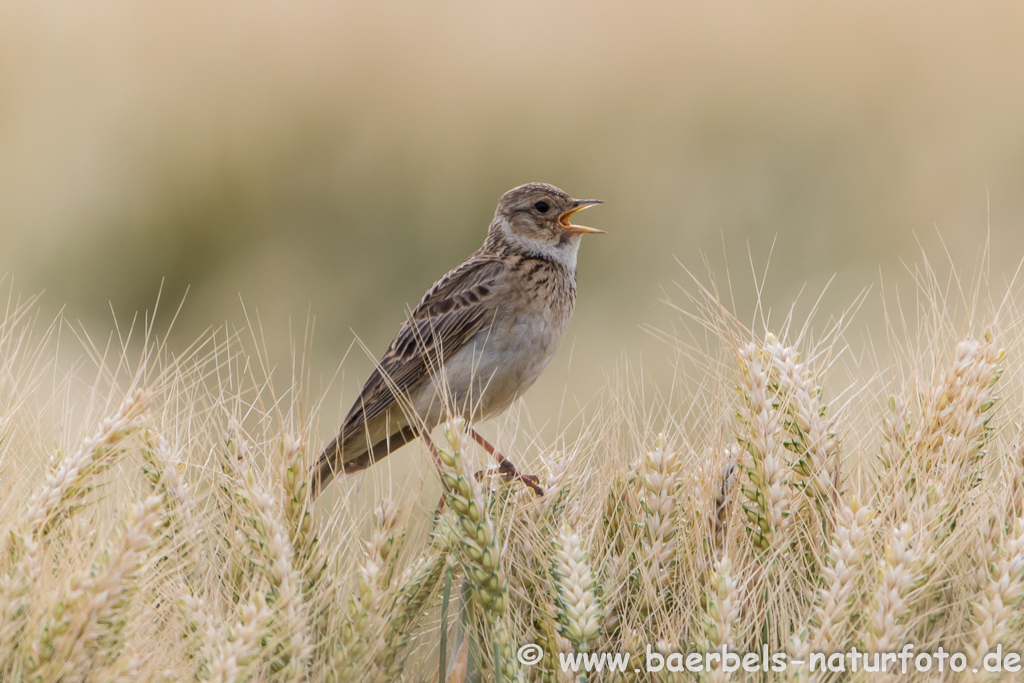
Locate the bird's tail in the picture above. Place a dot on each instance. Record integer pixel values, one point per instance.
(352, 455)
(322, 473)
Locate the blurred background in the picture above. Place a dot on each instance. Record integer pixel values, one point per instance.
(329, 161)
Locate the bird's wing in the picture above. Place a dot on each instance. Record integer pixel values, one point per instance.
(457, 307)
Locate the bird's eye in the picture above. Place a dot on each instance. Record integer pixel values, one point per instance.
(542, 206)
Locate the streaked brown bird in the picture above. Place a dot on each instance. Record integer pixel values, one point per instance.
(478, 339)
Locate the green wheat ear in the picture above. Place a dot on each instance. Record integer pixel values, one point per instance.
(480, 551)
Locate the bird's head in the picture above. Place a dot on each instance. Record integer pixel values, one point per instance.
(537, 218)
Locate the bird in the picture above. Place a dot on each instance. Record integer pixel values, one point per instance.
(476, 341)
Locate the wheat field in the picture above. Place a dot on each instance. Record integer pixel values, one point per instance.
(802, 487)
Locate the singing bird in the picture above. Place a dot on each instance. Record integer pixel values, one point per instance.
(478, 339)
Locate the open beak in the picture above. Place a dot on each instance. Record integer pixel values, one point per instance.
(577, 206)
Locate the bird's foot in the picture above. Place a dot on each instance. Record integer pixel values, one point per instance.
(505, 467)
(533, 482)
(507, 471)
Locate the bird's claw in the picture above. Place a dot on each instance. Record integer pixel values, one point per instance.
(533, 482)
(507, 471)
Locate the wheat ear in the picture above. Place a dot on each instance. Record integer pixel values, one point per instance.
(579, 607)
(298, 519)
(230, 659)
(60, 494)
(480, 549)
(83, 630)
(770, 496)
(659, 476)
(272, 545)
(363, 634)
(994, 610)
(900, 574)
(847, 556)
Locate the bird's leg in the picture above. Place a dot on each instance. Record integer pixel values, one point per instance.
(505, 466)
